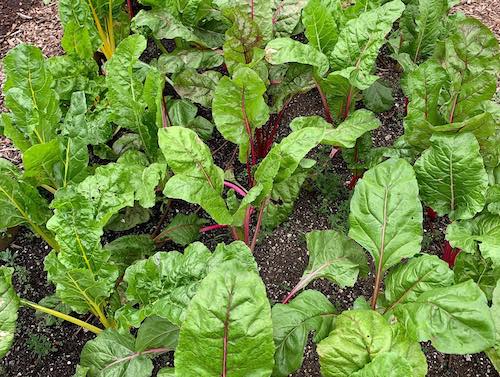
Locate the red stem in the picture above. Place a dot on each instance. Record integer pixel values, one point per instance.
(274, 131)
(212, 227)
(130, 10)
(250, 140)
(259, 223)
(240, 190)
(164, 113)
(348, 104)
(328, 114)
(246, 224)
(431, 213)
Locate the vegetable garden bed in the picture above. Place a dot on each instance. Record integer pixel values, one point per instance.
(327, 171)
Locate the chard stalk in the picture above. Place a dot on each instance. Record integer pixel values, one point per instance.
(263, 206)
(328, 114)
(65, 317)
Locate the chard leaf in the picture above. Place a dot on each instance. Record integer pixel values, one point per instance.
(239, 108)
(20, 202)
(198, 87)
(260, 11)
(404, 345)
(9, 305)
(184, 229)
(406, 282)
(452, 177)
(494, 352)
(387, 364)
(286, 16)
(114, 354)
(197, 179)
(421, 26)
(346, 134)
(321, 27)
(386, 214)
(166, 372)
(455, 319)
(335, 257)
(481, 233)
(473, 266)
(359, 42)
(359, 336)
(287, 50)
(378, 97)
(128, 218)
(292, 323)
(293, 79)
(178, 60)
(127, 249)
(134, 101)
(34, 105)
(228, 328)
(156, 332)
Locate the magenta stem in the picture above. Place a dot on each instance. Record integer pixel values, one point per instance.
(240, 190)
(212, 227)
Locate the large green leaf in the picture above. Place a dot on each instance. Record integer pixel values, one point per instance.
(452, 177)
(9, 304)
(359, 337)
(287, 50)
(292, 323)
(405, 345)
(333, 256)
(359, 42)
(228, 327)
(198, 87)
(134, 99)
(30, 97)
(408, 281)
(197, 179)
(287, 81)
(156, 332)
(494, 352)
(455, 319)
(386, 214)
(20, 202)
(474, 266)
(113, 354)
(239, 108)
(346, 134)
(321, 28)
(387, 364)
(286, 16)
(481, 233)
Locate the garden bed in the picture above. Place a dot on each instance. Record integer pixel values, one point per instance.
(281, 254)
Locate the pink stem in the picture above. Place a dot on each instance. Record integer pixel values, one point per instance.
(212, 227)
(272, 136)
(240, 190)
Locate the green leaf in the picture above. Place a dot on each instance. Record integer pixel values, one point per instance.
(346, 134)
(387, 364)
(335, 257)
(289, 80)
(112, 354)
(406, 282)
(378, 97)
(321, 28)
(128, 218)
(9, 304)
(421, 26)
(473, 266)
(481, 233)
(455, 319)
(128, 249)
(180, 59)
(197, 179)
(359, 42)
(239, 108)
(286, 16)
(166, 372)
(228, 328)
(79, 27)
(386, 214)
(494, 352)
(184, 229)
(359, 336)
(452, 177)
(28, 94)
(156, 332)
(287, 50)
(407, 347)
(134, 101)
(292, 323)
(197, 87)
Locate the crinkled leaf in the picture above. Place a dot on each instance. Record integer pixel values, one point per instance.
(388, 364)
(128, 249)
(184, 229)
(473, 266)
(321, 27)
(228, 328)
(455, 319)
(9, 304)
(287, 50)
(452, 177)
(198, 87)
(386, 214)
(406, 282)
(156, 332)
(358, 337)
(378, 97)
(292, 323)
(286, 16)
(494, 352)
